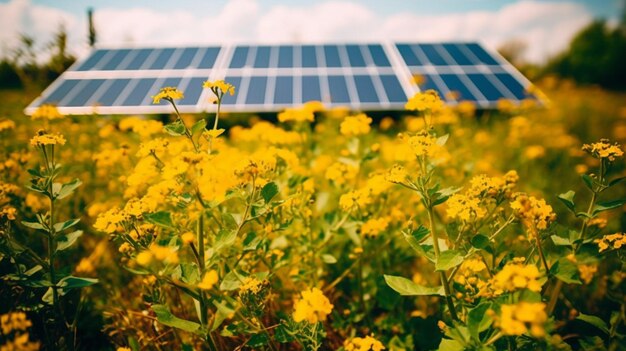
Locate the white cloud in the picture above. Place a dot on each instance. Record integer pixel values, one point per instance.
(546, 27)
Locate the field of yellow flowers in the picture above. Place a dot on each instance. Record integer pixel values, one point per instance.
(441, 228)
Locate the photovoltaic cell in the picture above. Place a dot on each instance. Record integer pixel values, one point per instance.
(394, 90)
(138, 60)
(193, 91)
(262, 59)
(92, 60)
(454, 84)
(481, 54)
(61, 91)
(379, 56)
(240, 57)
(408, 55)
(331, 54)
(513, 85)
(338, 90)
(162, 59)
(228, 99)
(115, 60)
(355, 56)
(283, 93)
(285, 56)
(433, 56)
(185, 59)
(256, 90)
(457, 55)
(112, 92)
(309, 56)
(89, 89)
(486, 87)
(209, 58)
(365, 89)
(311, 89)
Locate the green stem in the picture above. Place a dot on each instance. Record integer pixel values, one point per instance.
(217, 114)
(442, 274)
(200, 238)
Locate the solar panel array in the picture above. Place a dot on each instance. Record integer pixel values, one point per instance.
(271, 78)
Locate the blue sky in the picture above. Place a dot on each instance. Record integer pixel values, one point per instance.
(544, 26)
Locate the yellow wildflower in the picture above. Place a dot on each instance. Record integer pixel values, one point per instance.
(188, 237)
(428, 100)
(374, 226)
(534, 213)
(368, 343)
(355, 125)
(47, 111)
(312, 307)
(6, 125)
(43, 138)
(219, 88)
(251, 285)
(297, 115)
(611, 241)
(209, 280)
(397, 174)
(464, 207)
(514, 276)
(14, 321)
(604, 150)
(522, 318)
(587, 271)
(168, 93)
(423, 144)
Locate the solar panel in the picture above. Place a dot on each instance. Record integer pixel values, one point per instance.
(269, 78)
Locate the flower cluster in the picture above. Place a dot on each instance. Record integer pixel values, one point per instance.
(535, 213)
(611, 241)
(522, 318)
(604, 150)
(425, 101)
(43, 138)
(296, 115)
(47, 111)
(312, 307)
(368, 343)
(355, 125)
(168, 93)
(514, 276)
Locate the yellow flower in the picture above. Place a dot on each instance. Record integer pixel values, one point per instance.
(188, 237)
(209, 280)
(534, 213)
(251, 285)
(14, 321)
(355, 125)
(168, 93)
(6, 125)
(428, 100)
(312, 307)
(514, 276)
(123, 349)
(43, 138)
(611, 241)
(604, 150)
(374, 226)
(522, 318)
(587, 271)
(368, 343)
(297, 115)
(144, 258)
(423, 144)
(464, 207)
(219, 88)
(47, 111)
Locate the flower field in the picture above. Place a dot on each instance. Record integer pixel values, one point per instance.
(440, 228)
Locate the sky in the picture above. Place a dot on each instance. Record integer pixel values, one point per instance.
(545, 26)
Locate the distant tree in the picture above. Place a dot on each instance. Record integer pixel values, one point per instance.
(595, 56)
(60, 60)
(513, 51)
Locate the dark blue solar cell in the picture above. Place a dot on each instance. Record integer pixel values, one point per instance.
(86, 92)
(433, 56)
(457, 54)
(236, 82)
(309, 56)
(139, 92)
(311, 89)
(455, 84)
(162, 58)
(338, 90)
(408, 55)
(92, 60)
(60, 91)
(240, 57)
(331, 53)
(283, 93)
(111, 94)
(513, 85)
(262, 59)
(193, 91)
(114, 61)
(487, 88)
(365, 89)
(209, 58)
(378, 55)
(256, 90)
(285, 56)
(482, 55)
(355, 56)
(429, 83)
(394, 90)
(185, 58)
(138, 60)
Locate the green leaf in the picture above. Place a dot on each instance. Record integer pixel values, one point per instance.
(448, 259)
(441, 141)
(480, 241)
(258, 340)
(71, 282)
(269, 191)
(588, 181)
(175, 128)
(68, 188)
(566, 271)
(406, 287)
(33, 225)
(608, 205)
(330, 259)
(595, 321)
(161, 218)
(416, 237)
(478, 320)
(568, 199)
(450, 345)
(67, 240)
(58, 227)
(164, 316)
(198, 127)
(616, 181)
(225, 238)
(282, 334)
(560, 241)
(223, 311)
(232, 281)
